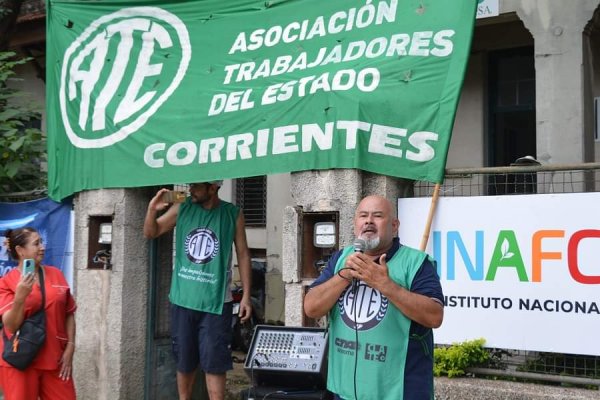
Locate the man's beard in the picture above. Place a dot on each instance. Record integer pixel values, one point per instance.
(198, 199)
(371, 242)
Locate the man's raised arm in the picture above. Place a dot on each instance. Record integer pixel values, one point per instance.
(154, 227)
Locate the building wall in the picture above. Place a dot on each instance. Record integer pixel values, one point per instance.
(558, 29)
(563, 111)
(109, 361)
(592, 47)
(278, 196)
(467, 144)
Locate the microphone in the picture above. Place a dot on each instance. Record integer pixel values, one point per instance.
(359, 247)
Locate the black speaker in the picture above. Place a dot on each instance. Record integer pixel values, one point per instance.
(288, 357)
(273, 393)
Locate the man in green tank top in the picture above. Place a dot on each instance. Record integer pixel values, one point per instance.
(382, 304)
(201, 308)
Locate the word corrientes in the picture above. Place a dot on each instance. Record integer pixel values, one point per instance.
(391, 141)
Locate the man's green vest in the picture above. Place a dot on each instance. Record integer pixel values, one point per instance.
(204, 241)
(383, 333)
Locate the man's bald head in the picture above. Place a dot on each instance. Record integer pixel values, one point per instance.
(375, 222)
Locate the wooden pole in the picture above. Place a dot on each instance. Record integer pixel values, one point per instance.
(434, 199)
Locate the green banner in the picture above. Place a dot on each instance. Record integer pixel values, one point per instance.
(145, 93)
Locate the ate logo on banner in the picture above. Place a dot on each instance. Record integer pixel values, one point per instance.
(118, 73)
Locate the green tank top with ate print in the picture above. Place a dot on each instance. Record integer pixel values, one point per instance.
(204, 239)
(383, 334)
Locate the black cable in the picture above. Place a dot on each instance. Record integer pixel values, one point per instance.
(270, 393)
(252, 387)
(295, 394)
(353, 288)
(354, 302)
(342, 276)
(253, 360)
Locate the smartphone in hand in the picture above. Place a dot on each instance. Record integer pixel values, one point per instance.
(173, 196)
(28, 266)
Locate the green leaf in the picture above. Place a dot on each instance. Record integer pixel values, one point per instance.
(12, 168)
(23, 149)
(10, 132)
(5, 55)
(17, 144)
(8, 114)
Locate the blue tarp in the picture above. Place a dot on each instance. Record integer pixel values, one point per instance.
(53, 220)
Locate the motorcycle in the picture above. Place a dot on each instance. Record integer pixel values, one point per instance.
(242, 331)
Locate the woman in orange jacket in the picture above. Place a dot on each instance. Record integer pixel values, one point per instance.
(49, 376)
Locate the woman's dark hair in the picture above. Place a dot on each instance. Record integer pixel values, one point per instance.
(18, 237)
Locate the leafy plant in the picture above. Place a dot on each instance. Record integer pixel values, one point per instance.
(455, 359)
(22, 146)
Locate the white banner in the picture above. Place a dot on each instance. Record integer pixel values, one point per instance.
(522, 272)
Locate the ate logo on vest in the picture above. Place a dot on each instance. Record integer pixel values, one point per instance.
(119, 71)
(370, 306)
(201, 246)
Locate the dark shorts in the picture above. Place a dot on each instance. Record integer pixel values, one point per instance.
(201, 338)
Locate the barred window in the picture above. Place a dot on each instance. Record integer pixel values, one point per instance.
(251, 195)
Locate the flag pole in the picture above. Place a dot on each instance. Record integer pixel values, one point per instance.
(434, 199)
